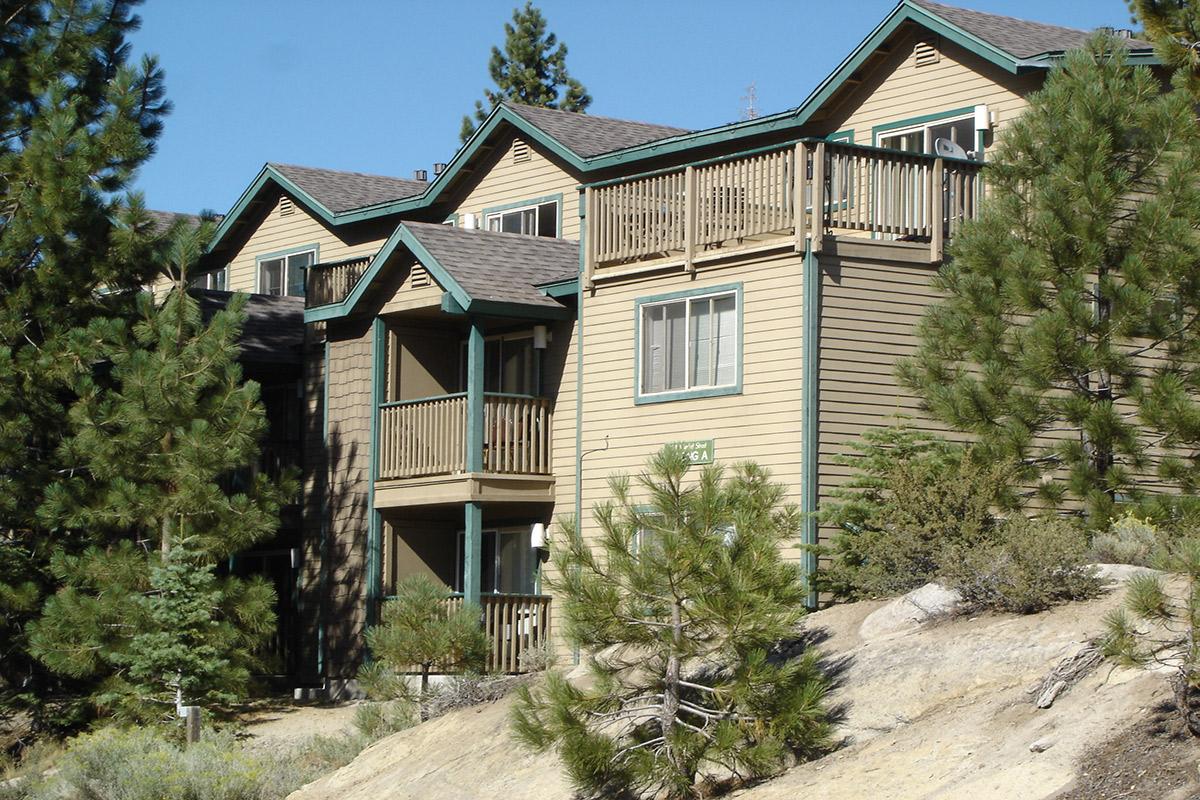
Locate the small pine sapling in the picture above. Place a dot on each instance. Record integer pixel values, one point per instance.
(680, 605)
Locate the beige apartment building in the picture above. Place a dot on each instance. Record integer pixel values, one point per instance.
(572, 292)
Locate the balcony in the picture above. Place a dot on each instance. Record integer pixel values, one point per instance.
(514, 624)
(761, 200)
(332, 282)
(424, 457)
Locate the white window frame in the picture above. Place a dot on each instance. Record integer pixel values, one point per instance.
(688, 390)
(285, 256)
(924, 128)
(536, 208)
(208, 279)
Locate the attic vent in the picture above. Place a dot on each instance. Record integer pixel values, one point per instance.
(520, 151)
(926, 53)
(419, 277)
(286, 206)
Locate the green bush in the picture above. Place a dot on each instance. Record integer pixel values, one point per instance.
(928, 507)
(137, 764)
(140, 764)
(1025, 566)
(1129, 540)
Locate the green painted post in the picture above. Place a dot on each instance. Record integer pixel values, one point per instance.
(472, 552)
(475, 398)
(810, 413)
(374, 520)
(473, 512)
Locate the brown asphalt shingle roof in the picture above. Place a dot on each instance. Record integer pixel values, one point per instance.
(274, 329)
(345, 191)
(163, 220)
(1019, 37)
(587, 135)
(500, 266)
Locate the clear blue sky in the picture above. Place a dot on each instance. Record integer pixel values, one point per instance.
(381, 86)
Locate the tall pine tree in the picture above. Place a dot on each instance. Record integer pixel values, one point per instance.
(531, 70)
(161, 452)
(76, 121)
(1174, 27)
(1069, 336)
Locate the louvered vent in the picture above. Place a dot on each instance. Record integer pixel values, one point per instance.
(926, 53)
(286, 206)
(520, 151)
(419, 277)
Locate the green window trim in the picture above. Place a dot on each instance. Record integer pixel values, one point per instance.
(686, 394)
(314, 248)
(846, 136)
(530, 203)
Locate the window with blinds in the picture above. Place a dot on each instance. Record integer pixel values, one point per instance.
(689, 344)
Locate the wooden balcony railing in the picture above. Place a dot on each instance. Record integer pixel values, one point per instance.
(514, 624)
(332, 282)
(753, 200)
(429, 437)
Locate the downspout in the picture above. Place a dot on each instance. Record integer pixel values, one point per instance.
(326, 510)
(810, 413)
(579, 377)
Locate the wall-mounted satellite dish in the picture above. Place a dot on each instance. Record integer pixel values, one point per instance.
(948, 149)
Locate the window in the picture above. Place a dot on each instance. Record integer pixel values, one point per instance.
(509, 563)
(535, 219)
(510, 364)
(920, 138)
(284, 274)
(218, 279)
(689, 344)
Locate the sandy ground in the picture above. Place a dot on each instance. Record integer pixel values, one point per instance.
(282, 727)
(945, 711)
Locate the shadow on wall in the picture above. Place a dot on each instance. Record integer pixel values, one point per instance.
(333, 601)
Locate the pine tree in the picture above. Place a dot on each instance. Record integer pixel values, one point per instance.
(1068, 335)
(1174, 27)
(679, 607)
(419, 629)
(76, 121)
(160, 449)
(531, 70)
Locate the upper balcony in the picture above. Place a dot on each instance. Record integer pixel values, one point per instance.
(428, 437)
(759, 200)
(332, 282)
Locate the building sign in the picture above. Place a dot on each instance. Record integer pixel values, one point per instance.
(699, 451)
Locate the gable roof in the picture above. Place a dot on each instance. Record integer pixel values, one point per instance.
(587, 135)
(1018, 37)
(335, 196)
(504, 267)
(340, 191)
(482, 272)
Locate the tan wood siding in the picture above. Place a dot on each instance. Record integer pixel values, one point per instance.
(503, 181)
(900, 90)
(350, 408)
(275, 232)
(762, 424)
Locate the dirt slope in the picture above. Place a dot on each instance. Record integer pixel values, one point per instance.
(944, 711)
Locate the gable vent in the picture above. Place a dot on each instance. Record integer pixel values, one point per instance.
(926, 53)
(419, 278)
(286, 206)
(520, 151)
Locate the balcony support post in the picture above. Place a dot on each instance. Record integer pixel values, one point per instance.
(472, 551)
(473, 512)
(474, 460)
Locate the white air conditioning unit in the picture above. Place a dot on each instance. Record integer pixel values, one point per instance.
(470, 221)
